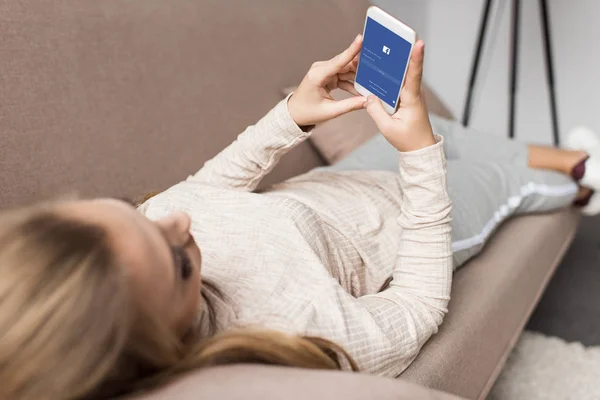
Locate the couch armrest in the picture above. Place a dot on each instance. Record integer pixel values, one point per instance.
(275, 383)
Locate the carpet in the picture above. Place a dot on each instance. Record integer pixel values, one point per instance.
(549, 368)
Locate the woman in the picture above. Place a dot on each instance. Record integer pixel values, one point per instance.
(332, 269)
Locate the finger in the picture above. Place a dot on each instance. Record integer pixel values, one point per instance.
(337, 108)
(348, 76)
(414, 74)
(347, 68)
(332, 84)
(351, 66)
(348, 87)
(378, 114)
(337, 63)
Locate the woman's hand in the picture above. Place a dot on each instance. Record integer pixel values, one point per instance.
(409, 128)
(312, 103)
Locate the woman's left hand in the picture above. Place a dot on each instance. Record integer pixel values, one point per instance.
(312, 103)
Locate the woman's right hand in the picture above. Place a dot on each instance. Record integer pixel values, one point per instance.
(409, 128)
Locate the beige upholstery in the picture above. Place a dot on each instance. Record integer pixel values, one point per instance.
(126, 96)
(260, 382)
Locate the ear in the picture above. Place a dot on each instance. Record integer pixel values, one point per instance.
(176, 227)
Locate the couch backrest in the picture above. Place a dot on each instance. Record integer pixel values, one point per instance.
(122, 97)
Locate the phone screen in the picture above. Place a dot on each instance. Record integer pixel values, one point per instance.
(383, 60)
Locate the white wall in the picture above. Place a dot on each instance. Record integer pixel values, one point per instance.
(450, 30)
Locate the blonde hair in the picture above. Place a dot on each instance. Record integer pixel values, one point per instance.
(69, 327)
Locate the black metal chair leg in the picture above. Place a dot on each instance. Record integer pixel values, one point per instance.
(549, 68)
(516, 9)
(475, 66)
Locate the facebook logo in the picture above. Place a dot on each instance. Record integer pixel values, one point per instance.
(386, 50)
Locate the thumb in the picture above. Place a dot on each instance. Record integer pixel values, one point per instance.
(378, 113)
(341, 107)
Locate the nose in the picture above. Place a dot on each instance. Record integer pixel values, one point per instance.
(176, 227)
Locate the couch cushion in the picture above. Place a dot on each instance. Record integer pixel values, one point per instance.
(124, 97)
(492, 298)
(245, 382)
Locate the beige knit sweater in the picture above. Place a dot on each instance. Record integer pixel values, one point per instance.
(310, 255)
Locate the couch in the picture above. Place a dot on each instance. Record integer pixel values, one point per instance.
(123, 97)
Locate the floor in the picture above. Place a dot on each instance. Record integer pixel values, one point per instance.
(570, 307)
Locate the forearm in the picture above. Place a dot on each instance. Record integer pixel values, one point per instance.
(424, 260)
(255, 152)
(385, 331)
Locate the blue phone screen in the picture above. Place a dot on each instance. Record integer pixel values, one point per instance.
(383, 60)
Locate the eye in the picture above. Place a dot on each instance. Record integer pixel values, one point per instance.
(182, 263)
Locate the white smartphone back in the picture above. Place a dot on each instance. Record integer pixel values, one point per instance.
(383, 61)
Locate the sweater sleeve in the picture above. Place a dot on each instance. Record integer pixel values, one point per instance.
(384, 332)
(255, 152)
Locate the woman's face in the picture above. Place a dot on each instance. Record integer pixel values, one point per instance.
(160, 258)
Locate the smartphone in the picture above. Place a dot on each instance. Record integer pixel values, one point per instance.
(383, 61)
